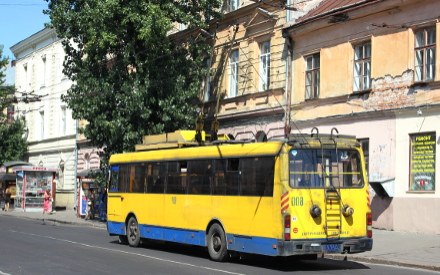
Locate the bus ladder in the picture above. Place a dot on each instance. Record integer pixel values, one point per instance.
(332, 213)
(333, 208)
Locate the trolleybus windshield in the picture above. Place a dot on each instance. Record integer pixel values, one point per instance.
(325, 167)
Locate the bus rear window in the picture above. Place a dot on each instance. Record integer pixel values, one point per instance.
(323, 168)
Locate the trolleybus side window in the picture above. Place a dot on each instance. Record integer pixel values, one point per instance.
(232, 176)
(137, 178)
(177, 178)
(114, 179)
(200, 176)
(124, 177)
(157, 175)
(257, 176)
(226, 177)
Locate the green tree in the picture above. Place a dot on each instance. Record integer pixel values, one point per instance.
(13, 145)
(131, 77)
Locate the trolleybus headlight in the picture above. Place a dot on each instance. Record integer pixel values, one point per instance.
(315, 211)
(347, 211)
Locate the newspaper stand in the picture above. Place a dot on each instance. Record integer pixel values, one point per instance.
(32, 182)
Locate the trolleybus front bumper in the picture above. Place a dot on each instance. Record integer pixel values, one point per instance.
(317, 246)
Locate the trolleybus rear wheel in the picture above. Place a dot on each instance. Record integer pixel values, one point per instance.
(133, 234)
(217, 243)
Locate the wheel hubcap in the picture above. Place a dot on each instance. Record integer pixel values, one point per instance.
(216, 242)
(133, 231)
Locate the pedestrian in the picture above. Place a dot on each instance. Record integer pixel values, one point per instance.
(103, 205)
(90, 209)
(2, 200)
(7, 199)
(46, 203)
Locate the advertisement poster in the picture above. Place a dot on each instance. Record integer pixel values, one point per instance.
(422, 167)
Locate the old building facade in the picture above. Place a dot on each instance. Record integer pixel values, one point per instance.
(51, 130)
(370, 69)
(246, 91)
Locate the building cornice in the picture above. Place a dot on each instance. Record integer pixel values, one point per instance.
(34, 39)
(410, 111)
(50, 140)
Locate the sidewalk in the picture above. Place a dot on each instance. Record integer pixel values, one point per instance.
(400, 248)
(389, 247)
(62, 216)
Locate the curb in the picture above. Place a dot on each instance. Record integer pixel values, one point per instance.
(380, 261)
(52, 219)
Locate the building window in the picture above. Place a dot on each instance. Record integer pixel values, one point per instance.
(25, 73)
(264, 66)
(312, 76)
(425, 54)
(362, 67)
(233, 76)
(44, 71)
(41, 125)
(233, 5)
(422, 161)
(63, 124)
(87, 161)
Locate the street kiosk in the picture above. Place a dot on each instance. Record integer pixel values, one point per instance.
(32, 182)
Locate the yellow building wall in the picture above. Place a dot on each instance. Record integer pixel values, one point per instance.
(335, 71)
(390, 30)
(391, 53)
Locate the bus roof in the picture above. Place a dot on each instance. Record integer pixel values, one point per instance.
(212, 151)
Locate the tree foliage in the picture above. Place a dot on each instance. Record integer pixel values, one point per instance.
(132, 78)
(13, 145)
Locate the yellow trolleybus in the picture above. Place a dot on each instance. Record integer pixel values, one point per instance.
(304, 195)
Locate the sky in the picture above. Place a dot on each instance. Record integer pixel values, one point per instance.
(19, 19)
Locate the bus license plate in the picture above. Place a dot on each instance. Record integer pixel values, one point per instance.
(332, 248)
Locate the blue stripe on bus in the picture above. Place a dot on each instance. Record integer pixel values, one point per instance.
(173, 235)
(256, 245)
(116, 228)
(245, 244)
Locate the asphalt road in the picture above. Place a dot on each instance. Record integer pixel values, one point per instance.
(29, 247)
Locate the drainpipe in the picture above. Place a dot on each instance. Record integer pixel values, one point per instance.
(75, 173)
(289, 86)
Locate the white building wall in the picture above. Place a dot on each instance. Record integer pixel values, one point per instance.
(39, 73)
(416, 211)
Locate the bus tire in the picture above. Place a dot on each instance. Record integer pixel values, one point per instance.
(217, 243)
(133, 233)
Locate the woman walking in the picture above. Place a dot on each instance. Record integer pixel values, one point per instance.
(46, 203)
(7, 199)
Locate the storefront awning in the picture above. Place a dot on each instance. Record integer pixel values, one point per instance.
(7, 177)
(383, 188)
(16, 163)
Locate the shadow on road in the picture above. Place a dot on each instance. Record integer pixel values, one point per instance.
(285, 264)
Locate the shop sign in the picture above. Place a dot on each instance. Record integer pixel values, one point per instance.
(422, 162)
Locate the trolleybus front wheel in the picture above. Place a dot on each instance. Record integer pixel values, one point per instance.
(217, 243)
(133, 234)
